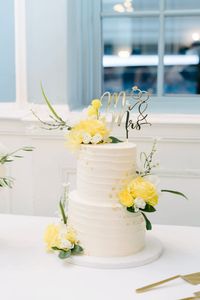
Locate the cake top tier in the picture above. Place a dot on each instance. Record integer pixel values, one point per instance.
(109, 146)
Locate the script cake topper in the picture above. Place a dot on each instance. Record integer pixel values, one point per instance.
(121, 104)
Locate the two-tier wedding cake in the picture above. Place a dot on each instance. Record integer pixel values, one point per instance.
(102, 224)
(106, 219)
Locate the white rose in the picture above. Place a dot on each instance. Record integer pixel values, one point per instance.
(65, 244)
(139, 203)
(97, 138)
(86, 138)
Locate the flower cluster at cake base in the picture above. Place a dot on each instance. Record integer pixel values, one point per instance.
(60, 237)
(141, 194)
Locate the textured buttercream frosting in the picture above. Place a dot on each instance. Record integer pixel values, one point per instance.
(103, 226)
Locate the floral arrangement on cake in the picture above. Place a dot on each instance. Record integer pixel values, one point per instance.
(142, 193)
(59, 237)
(7, 157)
(92, 129)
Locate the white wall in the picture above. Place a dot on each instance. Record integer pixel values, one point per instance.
(40, 174)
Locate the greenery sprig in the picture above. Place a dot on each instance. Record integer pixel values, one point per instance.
(7, 158)
(147, 160)
(10, 156)
(56, 121)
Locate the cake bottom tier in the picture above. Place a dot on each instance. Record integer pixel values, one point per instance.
(105, 230)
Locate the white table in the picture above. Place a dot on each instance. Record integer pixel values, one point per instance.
(27, 272)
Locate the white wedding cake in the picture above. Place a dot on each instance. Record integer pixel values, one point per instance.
(103, 226)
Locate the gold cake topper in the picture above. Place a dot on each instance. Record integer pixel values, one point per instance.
(121, 104)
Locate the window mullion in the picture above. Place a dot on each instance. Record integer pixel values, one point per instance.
(161, 50)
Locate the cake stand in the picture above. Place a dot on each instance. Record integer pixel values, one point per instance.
(152, 251)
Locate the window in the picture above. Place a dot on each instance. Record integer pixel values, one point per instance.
(156, 46)
(81, 48)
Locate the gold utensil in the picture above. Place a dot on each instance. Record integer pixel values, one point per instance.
(193, 278)
(197, 296)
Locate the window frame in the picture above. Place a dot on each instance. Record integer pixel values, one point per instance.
(87, 73)
(160, 98)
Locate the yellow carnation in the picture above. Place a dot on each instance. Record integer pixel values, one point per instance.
(91, 126)
(51, 236)
(96, 103)
(71, 236)
(141, 188)
(125, 198)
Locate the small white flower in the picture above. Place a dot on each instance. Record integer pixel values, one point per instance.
(139, 203)
(136, 208)
(97, 138)
(65, 244)
(86, 138)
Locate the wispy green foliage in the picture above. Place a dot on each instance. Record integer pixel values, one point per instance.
(56, 121)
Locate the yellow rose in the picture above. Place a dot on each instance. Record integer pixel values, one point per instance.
(96, 103)
(51, 236)
(92, 111)
(141, 188)
(71, 236)
(125, 198)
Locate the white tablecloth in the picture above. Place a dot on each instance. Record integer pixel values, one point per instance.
(28, 272)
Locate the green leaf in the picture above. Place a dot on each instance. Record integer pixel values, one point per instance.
(148, 208)
(77, 249)
(174, 192)
(49, 105)
(64, 254)
(115, 140)
(28, 148)
(63, 212)
(131, 209)
(148, 223)
(56, 248)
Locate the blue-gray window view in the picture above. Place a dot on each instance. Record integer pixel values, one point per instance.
(131, 46)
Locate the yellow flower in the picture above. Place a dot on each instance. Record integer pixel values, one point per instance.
(96, 103)
(91, 126)
(51, 236)
(71, 236)
(125, 198)
(74, 139)
(92, 111)
(141, 188)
